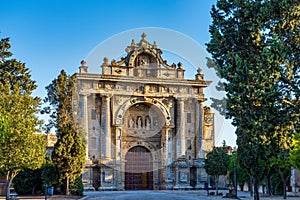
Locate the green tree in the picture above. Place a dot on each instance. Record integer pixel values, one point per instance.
(28, 182)
(4, 128)
(69, 151)
(21, 148)
(216, 163)
(295, 153)
(49, 174)
(254, 48)
(242, 176)
(76, 186)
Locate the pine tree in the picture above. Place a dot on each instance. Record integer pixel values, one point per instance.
(69, 151)
(20, 147)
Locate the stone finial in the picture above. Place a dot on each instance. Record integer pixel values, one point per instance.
(83, 63)
(105, 59)
(144, 35)
(179, 65)
(105, 66)
(133, 43)
(143, 42)
(199, 70)
(113, 62)
(83, 67)
(154, 45)
(199, 75)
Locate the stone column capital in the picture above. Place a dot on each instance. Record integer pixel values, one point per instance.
(106, 96)
(180, 98)
(85, 94)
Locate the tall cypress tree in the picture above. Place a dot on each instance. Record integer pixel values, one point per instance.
(69, 151)
(255, 46)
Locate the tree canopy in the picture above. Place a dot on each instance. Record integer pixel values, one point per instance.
(295, 153)
(21, 148)
(255, 48)
(216, 163)
(242, 177)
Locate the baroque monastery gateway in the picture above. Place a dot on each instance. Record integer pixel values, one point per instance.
(146, 125)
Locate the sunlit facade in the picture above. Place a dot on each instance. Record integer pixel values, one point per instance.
(146, 125)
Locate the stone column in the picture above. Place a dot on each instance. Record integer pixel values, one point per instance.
(85, 116)
(167, 146)
(180, 137)
(118, 147)
(199, 119)
(106, 129)
(176, 186)
(169, 155)
(165, 156)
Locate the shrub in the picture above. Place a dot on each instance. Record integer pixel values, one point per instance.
(28, 182)
(76, 186)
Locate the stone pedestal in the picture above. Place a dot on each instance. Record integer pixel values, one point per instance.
(87, 179)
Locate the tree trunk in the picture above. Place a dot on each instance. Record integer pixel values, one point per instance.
(217, 184)
(8, 183)
(284, 190)
(67, 186)
(9, 178)
(242, 186)
(251, 186)
(269, 186)
(256, 193)
(284, 180)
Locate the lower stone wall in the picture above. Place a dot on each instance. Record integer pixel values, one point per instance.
(179, 177)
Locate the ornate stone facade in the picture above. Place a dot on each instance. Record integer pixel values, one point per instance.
(146, 125)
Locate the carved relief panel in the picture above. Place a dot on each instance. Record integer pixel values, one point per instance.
(143, 120)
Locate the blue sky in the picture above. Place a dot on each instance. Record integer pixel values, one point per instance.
(50, 35)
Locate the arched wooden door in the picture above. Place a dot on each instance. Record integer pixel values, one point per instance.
(138, 169)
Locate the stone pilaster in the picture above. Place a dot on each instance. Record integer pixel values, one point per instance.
(106, 129)
(118, 147)
(176, 185)
(208, 129)
(180, 137)
(165, 157)
(199, 133)
(85, 118)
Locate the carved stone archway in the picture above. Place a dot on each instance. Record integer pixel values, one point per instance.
(118, 119)
(138, 169)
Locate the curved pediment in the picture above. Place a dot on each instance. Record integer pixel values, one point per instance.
(143, 59)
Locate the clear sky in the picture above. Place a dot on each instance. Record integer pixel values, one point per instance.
(51, 35)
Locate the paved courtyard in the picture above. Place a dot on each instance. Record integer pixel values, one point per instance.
(167, 194)
(149, 195)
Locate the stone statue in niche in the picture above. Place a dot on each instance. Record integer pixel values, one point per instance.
(139, 122)
(131, 123)
(147, 122)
